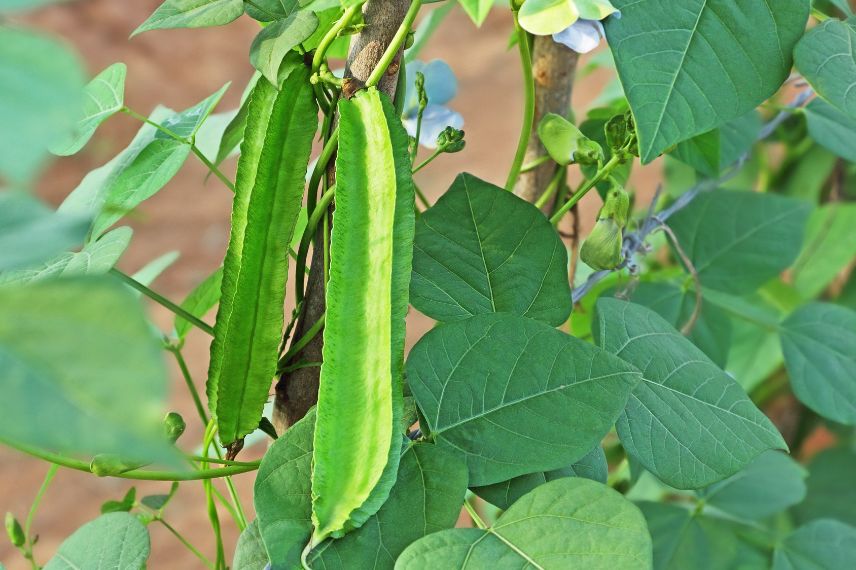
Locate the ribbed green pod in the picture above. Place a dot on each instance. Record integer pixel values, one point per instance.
(357, 435)
(268, 195)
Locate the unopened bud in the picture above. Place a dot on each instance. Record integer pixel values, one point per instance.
(14, 530)
(588, 153)
(602, 248)
(109, 465)
(174, 426)
(451, 140)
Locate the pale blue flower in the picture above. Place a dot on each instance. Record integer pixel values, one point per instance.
(583, 35)
(440, 88)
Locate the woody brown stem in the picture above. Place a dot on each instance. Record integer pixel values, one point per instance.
(297, 391)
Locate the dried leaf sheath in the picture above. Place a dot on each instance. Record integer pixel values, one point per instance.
(269, 192)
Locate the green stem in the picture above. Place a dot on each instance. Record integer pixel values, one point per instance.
(529, 166)
(213, 516)
(471, 510)
(551, 187)
(195, 149)
(188, 380)
(421, 196)
(320, 168)
(600, 175)
(203, 459)
(136, 474)
(163, 301)
(395, 45)
(528, 106)
(428, 160)
(304, 340)
(332, 34)
(306, 240)
(28, 523)
(186, 543)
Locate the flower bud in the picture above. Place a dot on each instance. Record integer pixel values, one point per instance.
(109, 465)
(408, 41)
(451, 140)
(588, 152)
(620, 133)
(602, 248)
(14, 530)
(421, 94)
(174, 426)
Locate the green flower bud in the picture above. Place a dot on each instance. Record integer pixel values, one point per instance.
(451, 140)
(109, 465)
(419, 83)
(174, 426)
(588, 152)
(602, 248)
(14, 530)
(408, 41)
(620, 133)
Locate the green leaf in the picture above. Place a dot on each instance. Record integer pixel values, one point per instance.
(104, 97)
(477, 10)
(687, 422)
(819, 545)
(15, 5)
(469, 260)
(826, 59)
(514, 395)
(818, 342)
(95, 258)
(201, 300)
(143, 169)
(427, 497)
(769, 485)
(250, 553)
(153, 269)
(712, 330)
(569, 523)
(63, 344)
(829, 494)
(41, 97)
(115, 540)
(832, 129)
(30, 233)
(684, 540)
(830, 246)
(502, 495)
(123, 506)
(691, 70)
(739, 240)
(276, 40)
(714, 151)
(269, 191)
(360, 399)
(192, 14)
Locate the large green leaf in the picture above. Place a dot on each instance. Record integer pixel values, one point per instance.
(832, 129)
(819, 545)
(40, 99)
(769, 485)
(502, 495)
(63, 344)
(830, 246)
(470, 260)
(514, 395)
(819, 344)
(95, 258)
(188, 122)
(112, 541)
(276, 40)
(739, 240)
(427, 497)
(30, 233)
(686, 71)
(687, 422)
(684, 540)
(233, 134)
(360, 399)
(250, 553)
(269, 192)
(568, 523)
(192, 14)
(829, 494)
(711, 331)
(714, 151)
(825, 57)
(104, 97)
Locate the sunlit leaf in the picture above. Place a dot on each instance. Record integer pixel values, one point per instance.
(192, 14)
(115, 540)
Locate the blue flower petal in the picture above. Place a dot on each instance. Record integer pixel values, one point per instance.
(582, 36)
(434, 120)
(441, 86)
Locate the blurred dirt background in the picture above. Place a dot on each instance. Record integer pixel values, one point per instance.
(178, 68)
